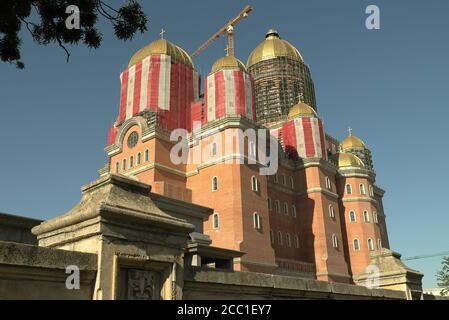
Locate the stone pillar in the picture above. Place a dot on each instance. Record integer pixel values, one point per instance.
(387, 271)
(140, 248)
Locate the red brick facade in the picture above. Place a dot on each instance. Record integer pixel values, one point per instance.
(297, 221)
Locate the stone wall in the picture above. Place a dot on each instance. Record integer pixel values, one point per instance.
(201, 284)
(131, 244)
(32, 272)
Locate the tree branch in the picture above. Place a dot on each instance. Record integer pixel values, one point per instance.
(65, 49)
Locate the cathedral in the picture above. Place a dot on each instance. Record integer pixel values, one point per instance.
(319, 216)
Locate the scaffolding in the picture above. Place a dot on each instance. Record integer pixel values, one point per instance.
(279, 83)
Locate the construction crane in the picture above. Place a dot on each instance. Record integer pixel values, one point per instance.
(426, 256)
(229, 29)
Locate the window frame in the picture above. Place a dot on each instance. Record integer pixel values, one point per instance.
(147, 155)
(296, 238)
(350, 216)
(216, 223)
(280, 240)
(288, 240)
(214, 189)
(254, 184)
(277, 206)
(371, 190)
(294, 212)
(358, 244)
(257, 221)
(370, 244)
(334, 241)
(213, 149)
(362, 189)
(366, 218)
(331, 212)
(328, 183)
(348, 191)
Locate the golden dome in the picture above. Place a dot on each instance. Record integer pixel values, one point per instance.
(352, 142)
(345, 159)
(162, 46)
(272, 47)
(228, 62)
(301, 110)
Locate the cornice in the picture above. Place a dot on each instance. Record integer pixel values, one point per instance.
(361, 199)
(357, 173)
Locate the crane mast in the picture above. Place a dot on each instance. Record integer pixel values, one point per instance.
(229, 29)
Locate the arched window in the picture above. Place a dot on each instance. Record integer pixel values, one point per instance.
(117, 167)
(379, 244)
(356, 244)
(334, 241)
(284, 180)
(370, 245)
(285, 208)
(277, 206)
(256, 220)
(362, 189)
(139, 158)
(348, 189)
(294, 211)
(328, 183)
(213, 149)
(331, 211)
(352, 216)
(276, 178)
(124, 164)
(288, 240)
(366, 216)
(292, 183)
(375, 218)
(216, 221)
(296, 241)
(254, 184)
(269, 204)
(371, 190)
(271, 236)
(214, 184)
(131, 161)
(280, 238)
(147, 155)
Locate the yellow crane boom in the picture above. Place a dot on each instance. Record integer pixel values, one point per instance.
(229, 29)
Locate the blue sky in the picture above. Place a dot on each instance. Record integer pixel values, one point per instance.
(391, 86)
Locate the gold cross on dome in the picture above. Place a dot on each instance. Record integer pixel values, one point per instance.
(350, 131)
(162, 33)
